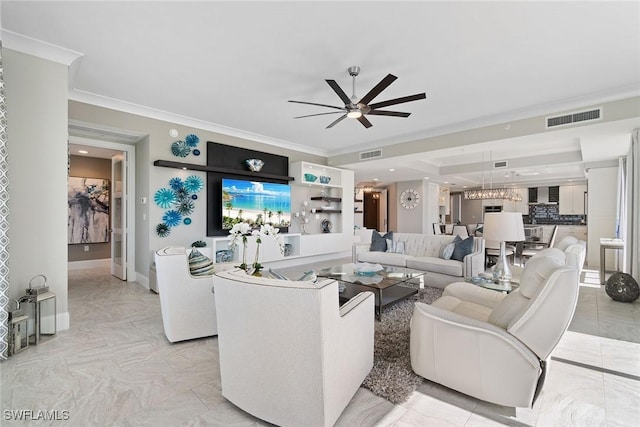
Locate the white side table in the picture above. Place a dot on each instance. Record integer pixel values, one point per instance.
(617, 244)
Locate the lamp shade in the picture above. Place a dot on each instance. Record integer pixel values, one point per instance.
(503, 227)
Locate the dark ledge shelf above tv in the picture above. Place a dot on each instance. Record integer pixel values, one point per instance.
(226, 171)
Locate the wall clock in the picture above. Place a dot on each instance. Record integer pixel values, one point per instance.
(409, 198)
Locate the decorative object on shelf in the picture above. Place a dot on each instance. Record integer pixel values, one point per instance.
(325, 179)
(88, 220)
(288, 249)
(173, 133)
(254, 165)
(503, 227)
(180, 149)
(326, 226)
(224, 255)
(309, 177)
(409, 199)
(196, 152)
(178, 199)
(622, 287)
(199, 244)
(302, 217)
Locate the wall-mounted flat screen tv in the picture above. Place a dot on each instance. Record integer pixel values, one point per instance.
(256, 203)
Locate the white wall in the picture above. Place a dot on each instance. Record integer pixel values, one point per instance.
(36, 93)
(601, 213)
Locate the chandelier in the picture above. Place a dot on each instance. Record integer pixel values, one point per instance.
(493, 193)
(503, 193)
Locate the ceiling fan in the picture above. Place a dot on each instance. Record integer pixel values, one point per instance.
(358, 109)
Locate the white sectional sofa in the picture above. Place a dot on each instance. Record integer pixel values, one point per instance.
(422, 252)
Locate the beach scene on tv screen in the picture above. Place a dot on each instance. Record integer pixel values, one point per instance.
(255, 203)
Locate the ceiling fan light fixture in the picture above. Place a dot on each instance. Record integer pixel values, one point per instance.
(354, 113)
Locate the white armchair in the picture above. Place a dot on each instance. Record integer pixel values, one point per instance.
(495, 346)
(186, 302)
(289, 354)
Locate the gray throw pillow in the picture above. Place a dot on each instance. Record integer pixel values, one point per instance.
(462, 248)
(446, 251)
(379, 242)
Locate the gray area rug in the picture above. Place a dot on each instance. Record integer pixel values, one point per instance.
(392, 377)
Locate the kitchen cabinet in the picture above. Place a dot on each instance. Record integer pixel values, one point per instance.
(572, 199)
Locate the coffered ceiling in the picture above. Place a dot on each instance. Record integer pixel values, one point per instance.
(231, 67)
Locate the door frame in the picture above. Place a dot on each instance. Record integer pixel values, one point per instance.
(131, 188)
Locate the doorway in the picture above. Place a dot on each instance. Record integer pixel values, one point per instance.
(372, 210)
(107, 150)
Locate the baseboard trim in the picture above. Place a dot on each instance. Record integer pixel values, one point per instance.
(89, 263)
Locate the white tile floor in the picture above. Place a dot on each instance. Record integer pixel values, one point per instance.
(115, 367)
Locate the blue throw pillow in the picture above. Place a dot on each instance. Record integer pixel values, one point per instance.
(379, 242)
(462, 248)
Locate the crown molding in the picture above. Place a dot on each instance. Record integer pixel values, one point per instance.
(141, 110)
(38, 48)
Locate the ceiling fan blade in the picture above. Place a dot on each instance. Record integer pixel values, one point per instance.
(319, 105)
(395, 101)
(338, 120)
(319, 114)
(388, 113)
(337, 89)
(378, 88)
(366, 123)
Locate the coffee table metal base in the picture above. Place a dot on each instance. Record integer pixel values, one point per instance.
(384, 297)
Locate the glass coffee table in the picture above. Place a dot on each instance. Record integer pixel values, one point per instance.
(387, 284)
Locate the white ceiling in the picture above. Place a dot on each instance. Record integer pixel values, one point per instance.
(232, 67)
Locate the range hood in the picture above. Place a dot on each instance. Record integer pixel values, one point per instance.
(543, 197)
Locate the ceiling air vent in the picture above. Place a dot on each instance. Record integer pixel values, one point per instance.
(500, 164)
(374, 154)
(580, 116)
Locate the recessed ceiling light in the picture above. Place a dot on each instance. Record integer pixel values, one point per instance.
(83, 152)
(446, 182)
(426, 177)
(392, 170)
(375, 179)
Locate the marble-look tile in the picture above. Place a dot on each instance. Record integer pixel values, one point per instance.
(364, 409)
(436, 418)
(621, 356)
(180, 408)
(435, 411)
(622, 400)
(579, 347)
(567, 410)
(392, 417)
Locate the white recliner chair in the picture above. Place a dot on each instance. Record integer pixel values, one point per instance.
(491, 345)
(289, 354)
(186, 302)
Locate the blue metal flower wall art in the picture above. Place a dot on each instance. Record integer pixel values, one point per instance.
(188, 146)
(171, 218)
(178, 199)
(164, 198)
(192, 140)
(193, 184)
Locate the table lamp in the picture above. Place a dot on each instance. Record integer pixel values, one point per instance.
(503, 227)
